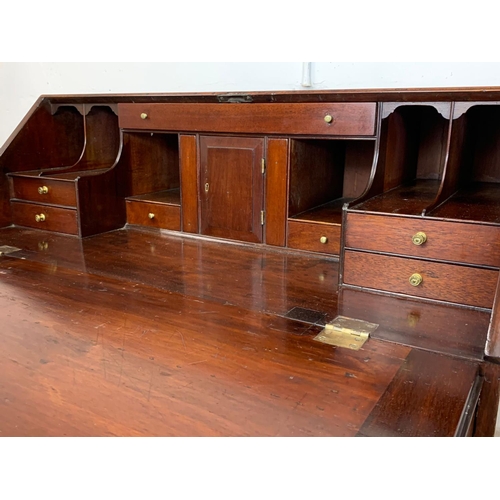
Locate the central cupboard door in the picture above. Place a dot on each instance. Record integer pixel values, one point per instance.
(232, 187)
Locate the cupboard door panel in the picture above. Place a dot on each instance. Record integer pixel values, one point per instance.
(231, 187)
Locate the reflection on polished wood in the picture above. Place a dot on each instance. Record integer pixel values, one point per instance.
(98, 341)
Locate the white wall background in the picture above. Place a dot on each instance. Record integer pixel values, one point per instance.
(22, 83)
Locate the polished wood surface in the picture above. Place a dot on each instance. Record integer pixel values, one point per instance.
(276, 197)
(426, 383)
(61, 193)
(440, 328)
(61, 220)
(307, 236)
(446, 241)
(189, 182)
(446, 282)
(112, 351)
(231, 187)
(164, 216)
(355, 119)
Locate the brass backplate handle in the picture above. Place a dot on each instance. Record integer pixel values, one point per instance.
(416, 279)
(419, 238)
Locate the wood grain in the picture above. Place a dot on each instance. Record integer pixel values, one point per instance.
(355, 119)
(189, 183)
(425, 398)
(62, 220)
(276, 204)
(448, 282)
(446, 241)
(306, 236)
(165, 216)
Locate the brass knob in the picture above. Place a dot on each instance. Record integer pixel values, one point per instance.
(323, 239)
(419, 238)
(144, 116)
(43, 190)
(328, 118)
(416, 279)
(151, 216)
(40, 217)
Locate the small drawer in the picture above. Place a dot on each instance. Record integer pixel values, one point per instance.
(61, 220)
(330, 119)
(432, 280)
(315, 237)
(446, 241)
(154, 215)
(44, 190)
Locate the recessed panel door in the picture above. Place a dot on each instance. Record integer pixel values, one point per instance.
(232, 187)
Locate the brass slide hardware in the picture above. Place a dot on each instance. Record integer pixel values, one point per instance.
(43, 190)
(323, 240)
(328, 118)
(419, 238)
(416, 279)
(144, 116)
(346, 332)
(40, 217)
(151, 215)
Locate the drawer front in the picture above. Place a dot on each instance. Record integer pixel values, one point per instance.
(448, 282)
(451, 241)
(308, 236)
(61, 220)
(43, 190)
(154, 215)
(304, 119)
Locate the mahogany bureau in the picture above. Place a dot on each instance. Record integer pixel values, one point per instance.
(403, 186)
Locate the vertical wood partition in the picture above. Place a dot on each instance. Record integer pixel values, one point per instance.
(189, 183)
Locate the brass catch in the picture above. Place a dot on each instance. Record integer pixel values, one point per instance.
(346, 332)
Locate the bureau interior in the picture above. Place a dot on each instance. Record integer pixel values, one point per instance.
(101, 145)
(474, 167)
(412, 155)
(151, 167)
(324, 174)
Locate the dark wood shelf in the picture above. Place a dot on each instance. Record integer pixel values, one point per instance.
(329, 213)
(409, 199)
(478, 202)
(168, 197)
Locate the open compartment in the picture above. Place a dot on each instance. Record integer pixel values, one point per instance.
(473, 174)
(411, 160)
(324, 174)
(152, 179)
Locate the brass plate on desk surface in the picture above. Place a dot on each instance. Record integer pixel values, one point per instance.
(346, 332)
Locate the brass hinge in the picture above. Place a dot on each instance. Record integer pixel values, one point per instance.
(346, 332)
(263, 165)
(262, 216)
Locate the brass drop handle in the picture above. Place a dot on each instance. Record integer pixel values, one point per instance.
(323, 240)
(328, 118)
(144, 116)
(151, 215)
(43, 190)
(419, 238)
(40, 217)
(416, 279)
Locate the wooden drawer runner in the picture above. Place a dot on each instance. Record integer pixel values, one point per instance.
(451, 241)
(164, 216)
(57, 192)
(357, 119)
(307, 236)
(448, 282)
(61, 220)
